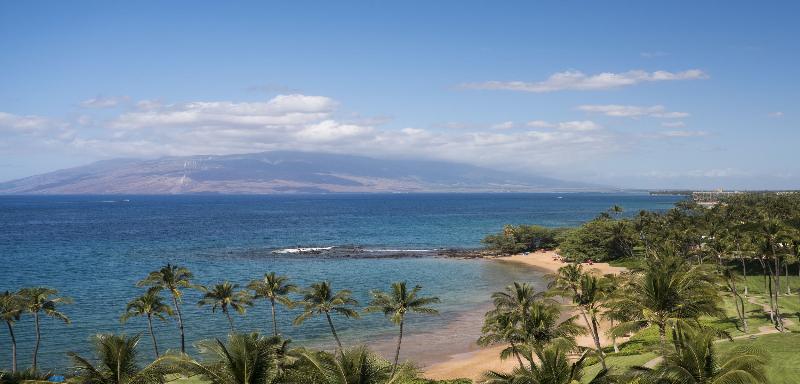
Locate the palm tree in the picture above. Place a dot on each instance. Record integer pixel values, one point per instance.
(117, 363)
(668, 292)
(225, 296)
(173, 279)
(274, 288)
(357, 365)
(545, 366)
(244, 359)
(502, 327)
(321, 299)
(588, 294)
(11, 308)
(516, 298)
(695, 361)
(150, 305)
(42, 300)
(397, 304)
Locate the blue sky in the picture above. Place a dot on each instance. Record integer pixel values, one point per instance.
(628, 93)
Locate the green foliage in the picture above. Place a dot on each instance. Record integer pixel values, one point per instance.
(117, 363)
(524, 238)
(784, 363)
(601, 239)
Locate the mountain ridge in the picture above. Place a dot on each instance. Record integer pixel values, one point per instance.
(280, 172)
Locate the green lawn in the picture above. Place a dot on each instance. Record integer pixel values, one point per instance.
(617, 364)
(784, 350)
(755, 284)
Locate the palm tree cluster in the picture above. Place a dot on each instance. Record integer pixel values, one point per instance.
(246, 358)
(689, 258)
(37, 302)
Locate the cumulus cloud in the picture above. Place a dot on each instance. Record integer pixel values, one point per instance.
(579, 81)
(577, 125)
(615, 110)
(683, 133)
(673, 124)
(280, 110)
(104, 102)
(27, 123)
(504, 125)
(313, 123)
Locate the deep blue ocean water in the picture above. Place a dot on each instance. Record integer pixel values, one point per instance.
(94, 249)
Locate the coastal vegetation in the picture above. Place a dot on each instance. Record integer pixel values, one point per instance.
(711, 295)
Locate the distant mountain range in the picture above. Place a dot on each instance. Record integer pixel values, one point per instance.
(281, 172)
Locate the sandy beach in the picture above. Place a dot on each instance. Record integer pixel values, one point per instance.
(473, 363)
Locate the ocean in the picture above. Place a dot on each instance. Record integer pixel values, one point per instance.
(95, 248)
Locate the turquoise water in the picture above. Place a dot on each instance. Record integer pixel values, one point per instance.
(94, 249)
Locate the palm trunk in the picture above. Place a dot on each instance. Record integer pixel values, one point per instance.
(777, 275)
(614, 338)
(786, 270)
(152, 334)
(180, 322)
(274, 322)
(593, 331)
(333, 330)
(397, 352)
(38, 339)
(744, 274)
(516, 354)
(13, 347)
(739, 302)
(230, 319)
(662, 338)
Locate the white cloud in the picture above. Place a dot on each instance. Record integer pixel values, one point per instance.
(615, 110)
(504, 125)
(280, 110)
(576, 126)
(584, 125)
(683, 133)
(312, 123)
(540, 124)
(330, 130)
(28, 123)
(579, 81)
(673, 124)
(776, 115)
(104, 102)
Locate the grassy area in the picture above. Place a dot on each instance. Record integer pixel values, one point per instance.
(784, 366)
(617, 364)
(755, 284)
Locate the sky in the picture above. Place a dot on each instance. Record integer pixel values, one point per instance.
(634, 94)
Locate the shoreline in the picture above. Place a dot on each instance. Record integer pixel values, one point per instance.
(471, 363)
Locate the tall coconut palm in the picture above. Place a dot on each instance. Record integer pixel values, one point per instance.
(588, 294)
(321, 299)
(149, 305)
(357, 365)
(174, 279)
(38, 301)
(516, 298)
(694, 360)
(275, 288)
(503, 328)
(397, 304)
(117, 363)
(667, 292)
(243, 359)
(225, 297)
(11, 308)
